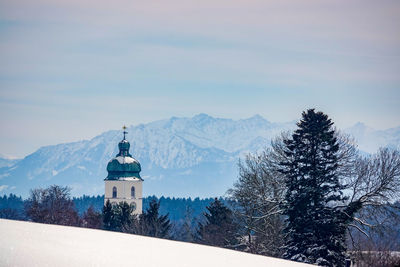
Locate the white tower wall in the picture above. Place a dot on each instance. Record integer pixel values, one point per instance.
(123, 186)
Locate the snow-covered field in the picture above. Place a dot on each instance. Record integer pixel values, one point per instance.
(34, 244)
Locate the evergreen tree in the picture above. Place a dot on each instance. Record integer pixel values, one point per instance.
(92, 218)
(118, 217)
(184, 230)
(84, 202)
(108, 216)
(153, 224)
(315, 232)
(125, 218)
(219, 228)
(12, 207)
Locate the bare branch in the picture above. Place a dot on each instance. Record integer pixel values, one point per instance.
(359, 229)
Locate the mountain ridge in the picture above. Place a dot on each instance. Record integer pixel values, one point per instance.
(180, 156)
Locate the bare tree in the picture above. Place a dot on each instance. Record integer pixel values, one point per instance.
(259, 193)
(373, 209)
(371, 184)
(52, 205)
(377, 179)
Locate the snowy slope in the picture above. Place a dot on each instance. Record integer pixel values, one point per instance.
(179, 156)
(33, 244)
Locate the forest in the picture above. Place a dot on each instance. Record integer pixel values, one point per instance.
(13, 207)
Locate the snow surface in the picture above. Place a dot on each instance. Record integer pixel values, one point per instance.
(34, 244)
(133, 178)
(125, 160)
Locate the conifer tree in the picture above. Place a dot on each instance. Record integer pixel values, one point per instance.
(184, 232)
(118, 217)
(153, 224)
(219, 228)
(108, 216)
(92, 218)
(315, 233)
(124, 213)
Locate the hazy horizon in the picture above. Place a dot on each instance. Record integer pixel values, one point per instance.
(71, 70)
(162, 119)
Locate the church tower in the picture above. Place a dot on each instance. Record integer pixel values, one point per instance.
(123, 183)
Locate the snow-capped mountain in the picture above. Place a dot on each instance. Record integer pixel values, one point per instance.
(179, 156)
(370, 140)
(6, 161)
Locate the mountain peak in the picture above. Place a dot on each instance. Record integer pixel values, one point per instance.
(258, 118)
(359, 128)
(202, 116)
(360, 125)
(176, 151)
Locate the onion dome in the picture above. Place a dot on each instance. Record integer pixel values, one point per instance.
(123, 165)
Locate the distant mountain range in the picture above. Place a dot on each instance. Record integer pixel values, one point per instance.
(7, 161)
(180, 157)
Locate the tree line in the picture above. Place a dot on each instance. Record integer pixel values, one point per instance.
(54, 205)
(12, 206)
(175, 207)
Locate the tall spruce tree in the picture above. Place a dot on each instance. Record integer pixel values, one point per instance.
(314, 232)
(219, 228)
(108, 216)
(153, 224)
(118, 217)
(185, 231)
(125, 216)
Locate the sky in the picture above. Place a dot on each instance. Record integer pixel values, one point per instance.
(70, 70)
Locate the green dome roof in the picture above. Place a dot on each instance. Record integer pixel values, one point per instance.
(123, 165)
(124, 146)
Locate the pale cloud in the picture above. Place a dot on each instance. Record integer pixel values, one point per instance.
(92, 65)
(3, 187)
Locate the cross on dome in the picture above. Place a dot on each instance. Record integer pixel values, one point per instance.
(125, 132)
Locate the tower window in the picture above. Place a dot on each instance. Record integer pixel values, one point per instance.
(114, 192)
(132, 192)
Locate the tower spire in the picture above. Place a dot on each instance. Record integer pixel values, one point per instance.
(125, 132)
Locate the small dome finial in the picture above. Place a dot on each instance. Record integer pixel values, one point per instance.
(125, 132)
